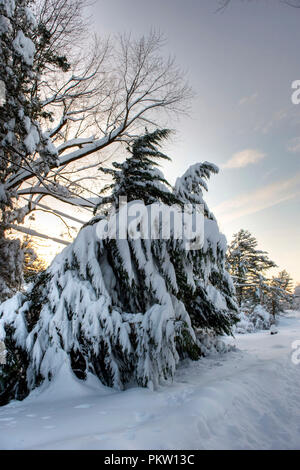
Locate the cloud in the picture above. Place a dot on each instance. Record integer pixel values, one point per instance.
(276, 119)
(248, 99)
(294, 145)
(244, 158)
(260, 199)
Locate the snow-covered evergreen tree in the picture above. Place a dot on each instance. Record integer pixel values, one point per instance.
(138, 178)
(247, 266)
(287, 285)
(126, 310)
(280, 295)
(20, 133)
(211, 294)
(189, 187)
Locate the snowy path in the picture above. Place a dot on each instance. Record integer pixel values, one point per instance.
(246, 399)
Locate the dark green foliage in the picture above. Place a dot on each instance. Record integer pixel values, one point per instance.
(138, 177)
(37, 297)
(13, 383)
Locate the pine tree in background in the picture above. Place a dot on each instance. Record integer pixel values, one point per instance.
(260, 298)
(247, 266)
(238, 260)
(33, 263)
(126, 310)
(280, 295)
(287, 284)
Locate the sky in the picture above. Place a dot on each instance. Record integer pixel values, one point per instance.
(241, 63)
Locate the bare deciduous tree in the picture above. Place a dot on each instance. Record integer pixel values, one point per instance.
(80, 95)
(104, 97)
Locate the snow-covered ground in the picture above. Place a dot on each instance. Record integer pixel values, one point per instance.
(245, 399)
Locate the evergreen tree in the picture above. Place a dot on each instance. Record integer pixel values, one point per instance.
(189, 187)
(122, 309)
(20, 133)
(287, 283)
(280, 294)
(247, 266)
(33, 263)
(211, 295)
(138, 178)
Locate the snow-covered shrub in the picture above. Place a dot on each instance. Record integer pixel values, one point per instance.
(261, 318)
(123, 309)
(209, 342)
(244, 324)
(253, 319)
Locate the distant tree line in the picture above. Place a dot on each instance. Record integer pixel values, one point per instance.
(249, 267)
